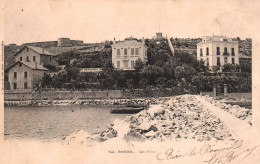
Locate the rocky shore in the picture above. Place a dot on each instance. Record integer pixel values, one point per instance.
(82, 102)
(240, 112)
(177, 118)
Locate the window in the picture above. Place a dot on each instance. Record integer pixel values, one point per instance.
(225, 51)
(126, 64)
(136, 51)
(50, 58)
(15, 85)
(225, 60)
(233, 51)
(218, 51)
(118, 52)
(207, 61)
(27, 58)
(25, 74)
(201, 53)
(34, 58)
(21, 58)
(125, 51)
(233, 60)
(218, 61)
(207, 53)
(118, 64)
(27, 49)
(25, 85)
(132, 51)
(15, 74)
(132, 64)
(20, 64)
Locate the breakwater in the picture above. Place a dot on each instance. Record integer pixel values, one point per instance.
(81, 102)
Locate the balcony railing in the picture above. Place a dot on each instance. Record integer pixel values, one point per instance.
(90, 69)
(226, 54)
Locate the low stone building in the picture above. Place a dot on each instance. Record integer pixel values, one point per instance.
(25, 76)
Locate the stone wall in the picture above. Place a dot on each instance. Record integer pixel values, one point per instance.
(76, 95)
(57, 95)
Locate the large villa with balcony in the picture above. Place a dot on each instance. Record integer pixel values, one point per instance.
(216, 51)
(125, 53)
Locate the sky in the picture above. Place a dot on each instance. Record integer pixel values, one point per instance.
(96, 21)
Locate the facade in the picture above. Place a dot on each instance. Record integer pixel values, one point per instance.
(216, 51)
(28, 70)
(35, 54)
(125, 54)
(24, 76)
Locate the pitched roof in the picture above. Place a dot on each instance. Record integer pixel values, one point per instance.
(38, 50)
(31, 65)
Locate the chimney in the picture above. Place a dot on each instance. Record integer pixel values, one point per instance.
(143, 41)
(43, 49)
(36, 65)
(114, 42)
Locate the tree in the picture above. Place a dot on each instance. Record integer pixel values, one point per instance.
(47, 80)
(246, 65)
(144, 82)
(130, 83)
(161, 82)
(72, 72)
(230, 68)
(139, 65)
(185, 72)
(152, 73)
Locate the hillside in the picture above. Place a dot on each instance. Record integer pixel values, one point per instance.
(180, 45)
(9, 52)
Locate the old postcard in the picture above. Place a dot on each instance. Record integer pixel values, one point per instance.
(125, 81)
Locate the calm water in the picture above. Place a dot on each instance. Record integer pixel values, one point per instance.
(55, 122)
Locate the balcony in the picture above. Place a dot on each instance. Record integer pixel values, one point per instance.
(226, 54)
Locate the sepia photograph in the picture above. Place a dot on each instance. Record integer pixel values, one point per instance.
(130, 81)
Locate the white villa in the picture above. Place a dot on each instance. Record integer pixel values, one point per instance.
(217, 51)
(125, 53)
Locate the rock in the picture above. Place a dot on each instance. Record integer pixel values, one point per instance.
(153, 128)
(150, 134)
(144, 126)
(155, 110)
(133, 136)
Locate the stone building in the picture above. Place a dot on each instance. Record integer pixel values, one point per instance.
(216, 51)
(35, 54)
(125, 53)
(29, 68)
(24, 76)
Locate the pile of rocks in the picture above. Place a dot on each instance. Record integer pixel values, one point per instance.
(240, 112)
(182, 117)
(80, 137)
(185, 118)
(83, 102)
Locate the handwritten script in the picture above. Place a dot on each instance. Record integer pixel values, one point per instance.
(216, 155)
